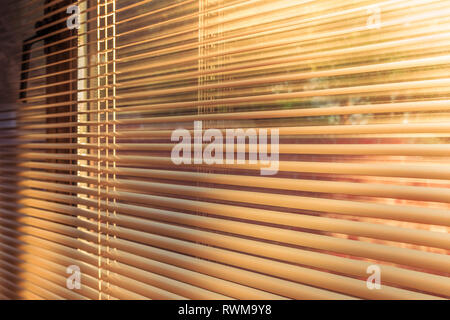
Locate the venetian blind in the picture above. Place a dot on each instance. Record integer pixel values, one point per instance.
(356, 90)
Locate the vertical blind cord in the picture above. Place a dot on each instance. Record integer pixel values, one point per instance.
(104, 105)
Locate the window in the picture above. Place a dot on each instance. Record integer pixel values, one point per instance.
(220, 149)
